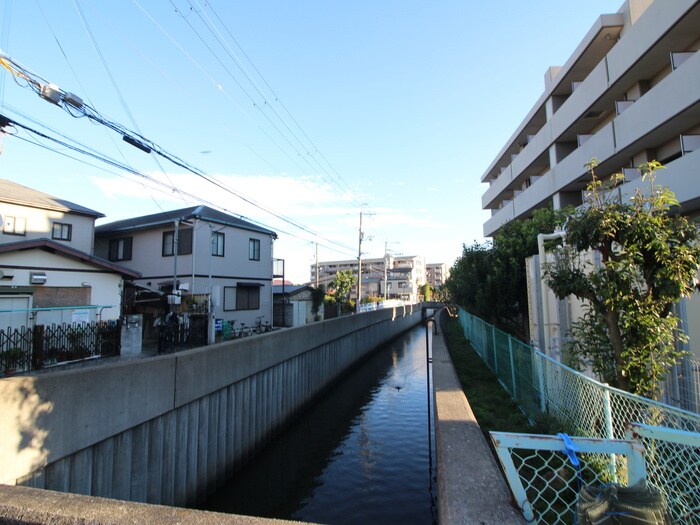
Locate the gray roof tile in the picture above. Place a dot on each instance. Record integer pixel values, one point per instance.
(14, 193)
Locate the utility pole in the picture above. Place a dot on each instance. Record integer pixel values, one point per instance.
(176, 246)
(387, 262)
(316, 272)
(359, 266)
(386, 265)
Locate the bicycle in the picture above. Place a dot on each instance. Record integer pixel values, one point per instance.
(260, 326)
(243, 331)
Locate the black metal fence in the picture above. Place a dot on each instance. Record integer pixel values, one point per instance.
(23, 349)
(183, 335)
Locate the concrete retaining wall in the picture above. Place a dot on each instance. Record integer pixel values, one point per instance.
(168, 429)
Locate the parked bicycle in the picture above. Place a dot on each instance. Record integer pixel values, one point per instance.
(243, 331)
(261, 326)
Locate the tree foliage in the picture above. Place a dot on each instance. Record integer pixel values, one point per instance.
(489, 279)
(426, 291)
(649, 257)
(342, 285)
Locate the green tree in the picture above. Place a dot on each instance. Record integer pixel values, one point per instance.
(649, 259)
(490, 281)
(469, 281)
(317, 295)
(426, 291)
(342, 285)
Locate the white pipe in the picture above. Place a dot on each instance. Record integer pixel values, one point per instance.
(541, 237)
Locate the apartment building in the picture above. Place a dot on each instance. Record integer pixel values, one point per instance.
(436, 274)
(629, 93)
(390, 277)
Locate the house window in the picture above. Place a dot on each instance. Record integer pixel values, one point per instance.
(217, 244)
(247, 297)
(184, 243)
(120, 249)
(14, 226)
(254, 249)
(61, 231)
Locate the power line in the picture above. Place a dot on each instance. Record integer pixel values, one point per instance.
(276, 97)
(84, 150)
(217, 85)
(318, 168)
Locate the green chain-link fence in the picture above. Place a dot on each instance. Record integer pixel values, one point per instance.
(588, 408)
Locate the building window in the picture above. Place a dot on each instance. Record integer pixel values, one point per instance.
(184, 244)
(254, 249)
(14, 226)
(61, 231)
(120, 249)
(247, 297)
(217, 244)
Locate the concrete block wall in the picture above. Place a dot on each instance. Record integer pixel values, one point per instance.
(169, 429)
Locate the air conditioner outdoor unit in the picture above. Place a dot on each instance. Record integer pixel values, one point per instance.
(37, 278)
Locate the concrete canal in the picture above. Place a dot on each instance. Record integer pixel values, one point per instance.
(362, 455)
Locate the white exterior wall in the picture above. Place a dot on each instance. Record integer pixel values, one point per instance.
(64, 272)
(39, 222)
(200, 272)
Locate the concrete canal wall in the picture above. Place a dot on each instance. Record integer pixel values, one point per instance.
(168, 429)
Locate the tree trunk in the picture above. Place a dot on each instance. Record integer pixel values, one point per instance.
(611, 321)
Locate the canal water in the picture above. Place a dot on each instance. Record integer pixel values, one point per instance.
(364, 454)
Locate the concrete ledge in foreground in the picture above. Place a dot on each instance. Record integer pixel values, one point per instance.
(471, 488)
(23, 505)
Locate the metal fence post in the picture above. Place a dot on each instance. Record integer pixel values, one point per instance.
(540, 379)
(512, 368)
(38, 347)
(495, 350)
(607, 411)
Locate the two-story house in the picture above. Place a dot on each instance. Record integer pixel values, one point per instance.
(197, 251)
(48, 273)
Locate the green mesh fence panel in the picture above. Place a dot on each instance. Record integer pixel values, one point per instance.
(586, 407)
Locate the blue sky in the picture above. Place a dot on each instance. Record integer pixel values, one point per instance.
(312, 109)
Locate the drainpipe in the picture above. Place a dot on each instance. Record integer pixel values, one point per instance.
(541, 237)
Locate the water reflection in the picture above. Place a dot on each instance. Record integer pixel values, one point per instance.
(360, 455)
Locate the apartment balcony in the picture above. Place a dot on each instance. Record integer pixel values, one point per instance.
(531, 161)
(679, 177)
(668, 110)
(569, 175)
(664, 27)
(584, 107)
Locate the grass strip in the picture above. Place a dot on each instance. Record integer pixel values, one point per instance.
(492, 405)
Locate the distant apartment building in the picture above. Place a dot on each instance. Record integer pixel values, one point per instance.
(390, 277)
(436, 274)
(629, 93)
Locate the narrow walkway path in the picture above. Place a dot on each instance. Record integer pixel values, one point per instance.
(471, 488)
